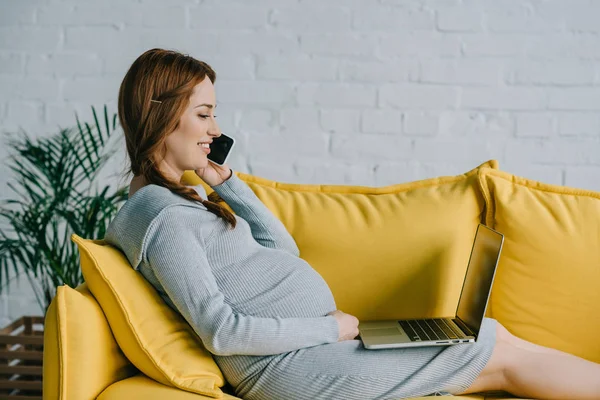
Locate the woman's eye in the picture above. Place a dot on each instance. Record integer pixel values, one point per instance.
(205, 116)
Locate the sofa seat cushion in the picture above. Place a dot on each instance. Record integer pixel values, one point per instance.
(155, 338)
(398, 251)
(546, 285)
(141, 387)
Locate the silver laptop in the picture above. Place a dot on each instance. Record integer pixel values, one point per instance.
(461, 328)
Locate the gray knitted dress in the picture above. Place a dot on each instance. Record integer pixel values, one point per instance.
(261, 310)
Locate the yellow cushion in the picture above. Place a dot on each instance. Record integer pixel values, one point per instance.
(397, 251)
(156, 339)
(140, 387)
(546, 285)
(81, 357)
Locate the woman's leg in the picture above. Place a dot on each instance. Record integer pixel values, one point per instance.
(529, 370)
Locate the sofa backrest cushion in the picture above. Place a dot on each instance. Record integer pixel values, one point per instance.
(155, 338)
(546, 284)
(81, 356)
(398, 251)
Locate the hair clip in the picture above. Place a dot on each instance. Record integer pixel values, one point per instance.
(155, 101)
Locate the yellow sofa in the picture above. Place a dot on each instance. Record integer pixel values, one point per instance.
(379, 249)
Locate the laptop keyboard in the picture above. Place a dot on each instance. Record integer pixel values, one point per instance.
(429, 329)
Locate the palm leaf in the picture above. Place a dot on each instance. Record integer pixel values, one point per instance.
(53, 179)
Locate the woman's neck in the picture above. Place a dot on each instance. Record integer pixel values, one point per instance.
(137, 182)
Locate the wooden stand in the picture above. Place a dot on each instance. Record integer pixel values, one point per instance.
(21, 355)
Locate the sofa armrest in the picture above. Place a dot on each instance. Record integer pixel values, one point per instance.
(81, 356)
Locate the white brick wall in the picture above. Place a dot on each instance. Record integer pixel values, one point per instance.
(338, 91)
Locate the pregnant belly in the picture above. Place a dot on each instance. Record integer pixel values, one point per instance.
(293, 292)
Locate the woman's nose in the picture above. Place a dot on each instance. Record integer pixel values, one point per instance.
(214, 130)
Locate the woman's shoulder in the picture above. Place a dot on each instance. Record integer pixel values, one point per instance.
(153, 192)
(129, 229)
(152, 199)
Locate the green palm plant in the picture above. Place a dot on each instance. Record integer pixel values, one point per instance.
(56, 197)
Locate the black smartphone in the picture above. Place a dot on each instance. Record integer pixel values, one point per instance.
(220, 148)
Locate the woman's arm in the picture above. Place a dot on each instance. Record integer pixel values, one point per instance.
(175, 253)
(266, 228)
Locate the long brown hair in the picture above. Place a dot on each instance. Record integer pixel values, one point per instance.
(169, 77)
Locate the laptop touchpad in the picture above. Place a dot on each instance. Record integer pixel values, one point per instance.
(384, 332)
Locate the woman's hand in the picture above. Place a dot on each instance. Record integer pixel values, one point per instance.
(214, 174)
(347, 323)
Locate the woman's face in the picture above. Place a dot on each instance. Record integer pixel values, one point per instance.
(197, 125)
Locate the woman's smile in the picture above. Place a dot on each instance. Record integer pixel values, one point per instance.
(205, 147)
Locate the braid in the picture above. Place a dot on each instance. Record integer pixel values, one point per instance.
(153, 175)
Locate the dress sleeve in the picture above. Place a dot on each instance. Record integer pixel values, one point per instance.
(176, 255)
(266, 228)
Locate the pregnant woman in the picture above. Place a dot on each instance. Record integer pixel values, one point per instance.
(265, 314)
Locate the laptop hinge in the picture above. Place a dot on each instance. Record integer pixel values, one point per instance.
(463, 326)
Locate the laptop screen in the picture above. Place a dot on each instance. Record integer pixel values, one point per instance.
(480, 276)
